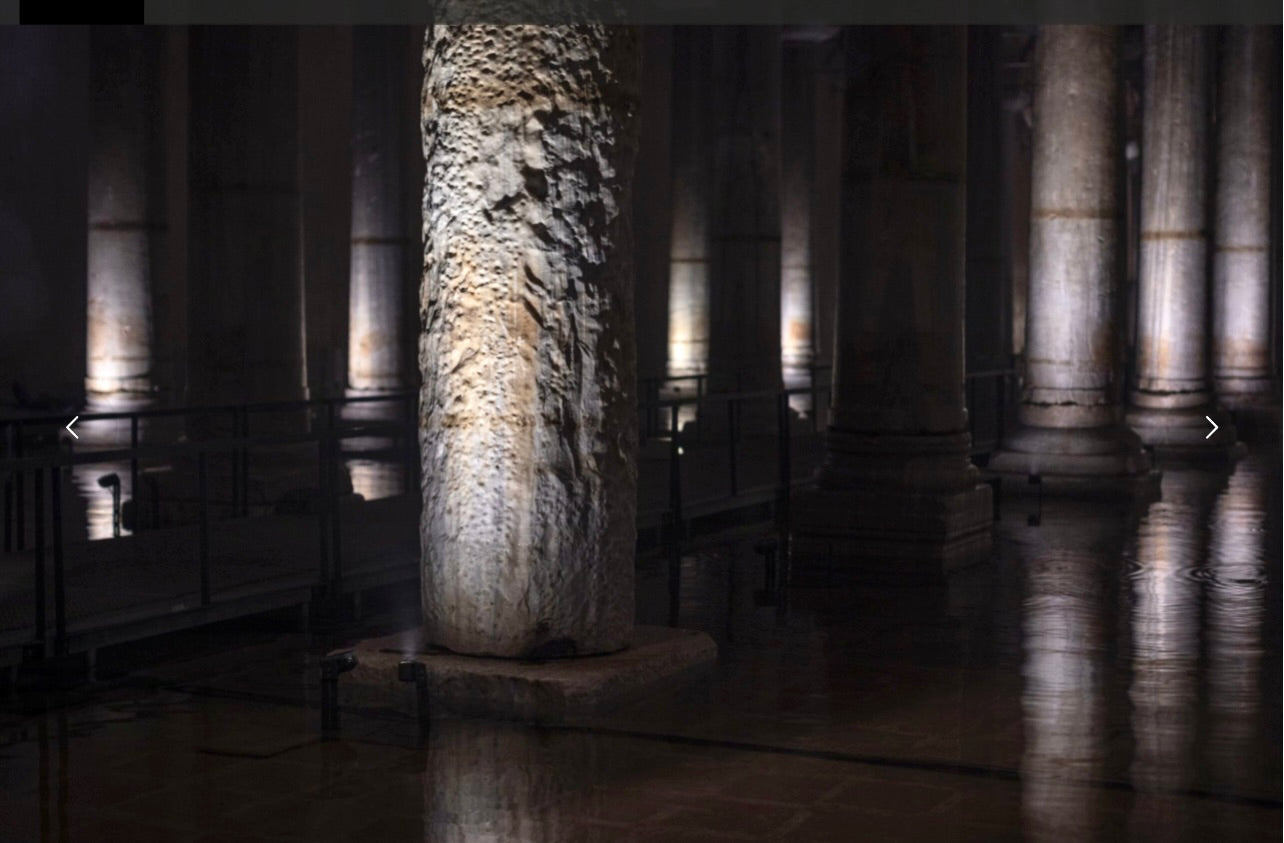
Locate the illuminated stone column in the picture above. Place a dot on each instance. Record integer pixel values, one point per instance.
(1241, 346)
(692, 193)
(1071, 430)
(1170, 396)
(897, 480)
(744, 277)
(797, 189)
(528, 424)
(379, 243)
(126, 214)
(245, 283)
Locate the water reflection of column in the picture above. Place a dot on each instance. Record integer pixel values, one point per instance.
(494, 781)
(1234, 614)
(1165, 646)
(1063, 693)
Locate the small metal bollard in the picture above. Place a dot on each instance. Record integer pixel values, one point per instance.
(331, 667)
(112, 481)
(409, 670)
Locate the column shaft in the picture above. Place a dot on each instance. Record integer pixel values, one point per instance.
(744, 313)
(797, 189)
(1170, 395)
(379, 242)
(688, 352)
(897, 480)
(1242, 227)
(528, 423)
(126, 213)
(246, 294)
(1070, 415)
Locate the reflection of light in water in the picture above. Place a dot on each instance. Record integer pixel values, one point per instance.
(375, 479)
(98, 500)
(1165, 647)
(1236, 585)
(1062, 693)
(798, 377)
(494, 781)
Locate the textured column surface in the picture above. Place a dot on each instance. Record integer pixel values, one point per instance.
(744, 293)
(379, 243)
(528, 429)
(246, 291)
(1071, 432)
(797, 189)
(896, 470)
(126, 213)
(1170, 395)
(1241, 345)
(692, 192)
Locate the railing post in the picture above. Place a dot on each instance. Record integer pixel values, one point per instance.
(42, 624)
(675, 518)
(8, 513)
(203, 493)
(133, 470)
(60, 591)
(731, 446)
(782, 500)
(332, 500)
(21, 493)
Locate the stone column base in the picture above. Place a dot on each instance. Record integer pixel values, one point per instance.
(1181, 434)
(889, 534)
(549, 691)
(1091, 462)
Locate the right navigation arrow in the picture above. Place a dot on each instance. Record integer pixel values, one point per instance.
(1215, 427)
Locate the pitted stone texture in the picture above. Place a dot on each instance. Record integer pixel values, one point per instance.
(527, 426)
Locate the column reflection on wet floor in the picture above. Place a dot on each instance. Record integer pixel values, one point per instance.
(1164, 583)
(1235, 589)
(101, 489)
(1064, 615)
(493, 781)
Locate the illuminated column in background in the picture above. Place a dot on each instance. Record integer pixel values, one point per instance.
(1071, 432)
(797, 189)
(897, 481)
(744, 309)
(528, 417)
(692, 194)
(379, 242)
(1241, 346)
(126, 214)
(246, 287)
(1171, 395)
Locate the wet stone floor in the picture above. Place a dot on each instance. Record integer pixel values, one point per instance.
(1108, 675)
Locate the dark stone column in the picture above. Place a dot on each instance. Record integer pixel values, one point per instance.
(653, 206)
(246, 290)
(1071, 431)
(897, 481)
(744, 294)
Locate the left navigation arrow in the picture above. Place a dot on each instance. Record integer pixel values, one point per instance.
(69, 430)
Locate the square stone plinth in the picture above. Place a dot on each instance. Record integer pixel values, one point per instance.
(550, 691)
